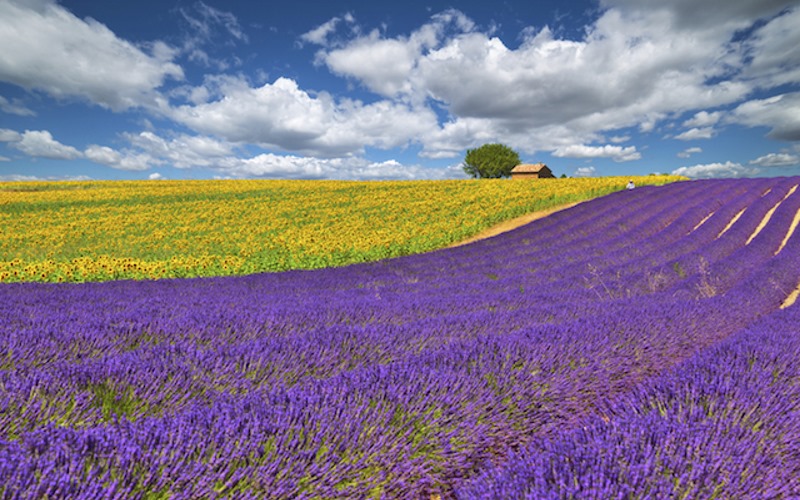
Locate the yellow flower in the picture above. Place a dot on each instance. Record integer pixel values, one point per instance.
(136, 229)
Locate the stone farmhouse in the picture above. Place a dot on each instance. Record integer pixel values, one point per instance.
(531, 171)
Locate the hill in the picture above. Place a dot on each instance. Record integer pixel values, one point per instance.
(100, 231)
(642, 343)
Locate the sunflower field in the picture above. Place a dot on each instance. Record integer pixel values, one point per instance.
(111, 230)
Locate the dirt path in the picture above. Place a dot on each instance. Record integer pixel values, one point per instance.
(731, 223)
(512, 224)
(768, 216)
(525, 219)
(791, 298)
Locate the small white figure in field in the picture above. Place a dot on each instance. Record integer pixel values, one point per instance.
(630, 185)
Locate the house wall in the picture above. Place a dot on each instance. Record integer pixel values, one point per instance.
(543, 173)
(546, 173)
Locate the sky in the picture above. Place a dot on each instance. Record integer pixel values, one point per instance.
(357, 89)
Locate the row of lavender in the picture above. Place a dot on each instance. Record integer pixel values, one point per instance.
(391, 379)
(723, 424)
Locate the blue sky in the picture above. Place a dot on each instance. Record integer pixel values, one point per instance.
(187, 89)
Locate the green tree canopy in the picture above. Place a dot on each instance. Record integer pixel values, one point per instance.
(490, 161)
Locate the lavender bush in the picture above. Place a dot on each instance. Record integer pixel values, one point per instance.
(621, 348)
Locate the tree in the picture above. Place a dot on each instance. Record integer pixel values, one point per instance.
(490, 161)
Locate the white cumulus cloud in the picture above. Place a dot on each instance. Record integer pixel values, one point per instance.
(147, 149)
(696, 133)
(722, 15)
(616, 153)
(773, 49)
(776, 160)
(47, 48)
(303, 167)
(320, 34)
(283, 116)
(703, 119)
(182, 151)
(385, 65)
(781, 113)
(381, 65)
(8, 135)
(712, 170)
(125, 160)
(15, 107)
(633, 68)
(40, 143)
(208, 28)
(585, 172)
(686, 153)
(442, 87)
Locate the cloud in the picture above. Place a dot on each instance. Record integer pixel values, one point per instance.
(40, 144)
(186, 151)
(304, 167)
(125, 160)
(146, 150)
(633, 68)
(703, 119)
(585, 172)
(686, 153)
(453, 137)
(102, 154)
(713, 170)
(14, 107)
(625, 72)
(776, 160)
(319, 35)
(284, 117)
(19, 178)
(774, 58)
(781, 113)
(182, 151)
(4, 158)
(444, 87)
(616, 153)
(382, 66)
(385, 65)
(47, 48)
(207, 27)
(33, 178)
(696, 133)
(723, 15)
(155, 176)
(8, 135)
(205, 20)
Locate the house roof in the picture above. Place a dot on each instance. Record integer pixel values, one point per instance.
(528, 168)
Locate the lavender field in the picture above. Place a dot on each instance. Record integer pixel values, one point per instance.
(640, 345)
